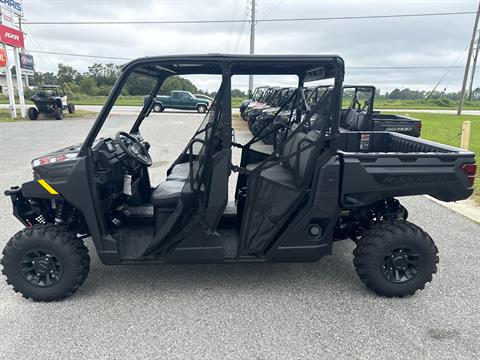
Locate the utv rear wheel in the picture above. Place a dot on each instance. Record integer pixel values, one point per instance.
(202, 109)
(32, 113)
(58, 113)
(395, 259)
(71, 108)
(45, 263)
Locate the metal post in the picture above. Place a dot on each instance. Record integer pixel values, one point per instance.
(21, 95)
(467, 66)
(27, 84)
(11, 93)
(252, 44)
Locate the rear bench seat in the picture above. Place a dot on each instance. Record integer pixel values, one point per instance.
(284, 172)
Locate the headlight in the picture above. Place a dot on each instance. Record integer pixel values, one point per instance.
(53, 159)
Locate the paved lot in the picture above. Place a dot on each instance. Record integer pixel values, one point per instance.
(318, 310)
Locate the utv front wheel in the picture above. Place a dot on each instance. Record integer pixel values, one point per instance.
(395, 259)
(32, 113)
(71, 108)
(58, 113)
(45, 263)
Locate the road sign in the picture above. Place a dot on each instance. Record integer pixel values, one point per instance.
(16, 6)
(27, 64)
(12, 37)
(3, 58)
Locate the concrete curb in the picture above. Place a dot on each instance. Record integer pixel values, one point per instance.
(467, 208)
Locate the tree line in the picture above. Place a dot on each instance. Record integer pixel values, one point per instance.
(408, 94)
(100, 78)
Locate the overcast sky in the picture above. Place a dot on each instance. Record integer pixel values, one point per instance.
(425, 41)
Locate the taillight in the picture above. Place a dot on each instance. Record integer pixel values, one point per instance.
(418, 125)
(470, 170)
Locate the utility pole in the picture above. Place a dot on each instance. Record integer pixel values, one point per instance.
(472, 75)
(23, 51)
(252, 44)
(467, 65)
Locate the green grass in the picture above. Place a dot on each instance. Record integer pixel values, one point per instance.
(445, 129)
(433, 104)
(5, 115)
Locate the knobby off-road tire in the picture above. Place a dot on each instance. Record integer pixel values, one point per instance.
(32, 113)
(71, 108)
(58, 113)
(55, 253)
(395, 258)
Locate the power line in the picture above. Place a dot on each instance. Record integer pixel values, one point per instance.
(274, 8)
(178, 22)
(80, 55)
(348, 67)
(402, 67)
(454, 65)
(232, 25)
(240, 34)
(252, 42)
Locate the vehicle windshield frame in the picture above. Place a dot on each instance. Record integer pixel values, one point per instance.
(42, 90)
(363, 88)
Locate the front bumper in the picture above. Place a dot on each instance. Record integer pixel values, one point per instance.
(23, 208)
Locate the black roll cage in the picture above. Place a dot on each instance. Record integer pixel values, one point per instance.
(365, 88)
(160, 68)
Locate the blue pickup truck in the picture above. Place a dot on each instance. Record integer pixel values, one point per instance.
(182, 100)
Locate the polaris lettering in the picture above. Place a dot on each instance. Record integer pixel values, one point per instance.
(12, 5)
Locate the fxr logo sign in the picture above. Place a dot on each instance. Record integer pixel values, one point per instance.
(11, 37)
(14, 37)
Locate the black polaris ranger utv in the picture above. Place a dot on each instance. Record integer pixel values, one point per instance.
(291, 204)
(360, 115)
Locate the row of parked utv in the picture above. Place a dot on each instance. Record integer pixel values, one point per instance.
(271, 108)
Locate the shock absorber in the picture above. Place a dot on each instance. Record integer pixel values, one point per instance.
(58, 207)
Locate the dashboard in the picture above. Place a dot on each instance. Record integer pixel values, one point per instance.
(114, 170)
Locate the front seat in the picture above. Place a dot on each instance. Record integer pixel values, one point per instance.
(167, 194)
(179, 172)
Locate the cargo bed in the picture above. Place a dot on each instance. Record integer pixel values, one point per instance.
(377, 165)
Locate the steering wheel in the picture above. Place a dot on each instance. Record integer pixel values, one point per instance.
(134, 148)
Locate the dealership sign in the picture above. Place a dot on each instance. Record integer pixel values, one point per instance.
(26, 64)
(3, 58)
(12, 37)
(14, 6)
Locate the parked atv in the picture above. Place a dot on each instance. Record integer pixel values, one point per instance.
(319, 186)
(50, 100)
